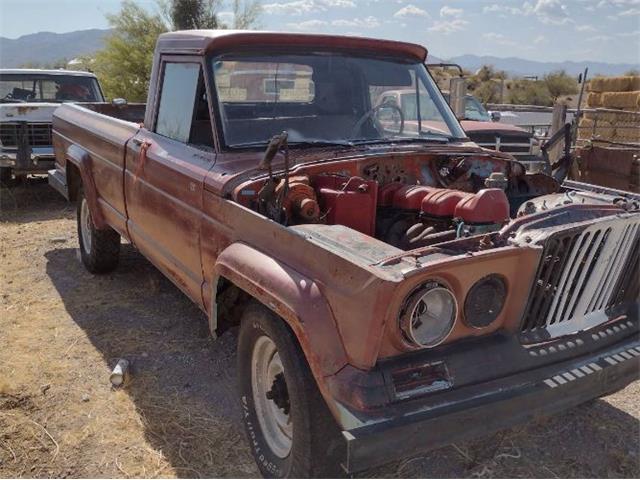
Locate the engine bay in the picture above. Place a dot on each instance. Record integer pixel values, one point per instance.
(406, 200)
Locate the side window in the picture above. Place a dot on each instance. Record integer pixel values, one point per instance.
(177, 100)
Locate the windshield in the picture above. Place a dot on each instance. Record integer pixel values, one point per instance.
(19, 88)
(327, 97)
(473, 109)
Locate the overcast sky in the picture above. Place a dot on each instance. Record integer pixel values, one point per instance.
(546, 30)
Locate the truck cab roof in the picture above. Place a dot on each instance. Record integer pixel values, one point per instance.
(40, 71)
(205, 41)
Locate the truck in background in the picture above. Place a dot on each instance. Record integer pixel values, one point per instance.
(28, 98)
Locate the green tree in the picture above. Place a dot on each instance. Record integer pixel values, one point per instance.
(124, 65)
(529, 92)
(560, 83)
(194, 14)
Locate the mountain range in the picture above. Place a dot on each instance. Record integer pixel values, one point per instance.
(45, 48)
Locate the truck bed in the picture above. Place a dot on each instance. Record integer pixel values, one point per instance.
(95, 137)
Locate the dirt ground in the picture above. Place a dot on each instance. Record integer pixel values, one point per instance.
(63, 329)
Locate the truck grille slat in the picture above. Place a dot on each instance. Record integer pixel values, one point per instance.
(37, 134)
(581, 275)
(629, 286)
(621, 247)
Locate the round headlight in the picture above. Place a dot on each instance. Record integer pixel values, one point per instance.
(429, 315)
(484, 301)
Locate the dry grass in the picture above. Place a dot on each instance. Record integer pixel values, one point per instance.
(62, 330)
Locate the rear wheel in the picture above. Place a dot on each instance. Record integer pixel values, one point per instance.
(99, 249)
(290, 429)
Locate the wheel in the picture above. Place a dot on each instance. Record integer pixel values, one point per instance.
(5, 175)
(99, 249)
(289, 427)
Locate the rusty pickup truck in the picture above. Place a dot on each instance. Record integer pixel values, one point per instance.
(396, 289)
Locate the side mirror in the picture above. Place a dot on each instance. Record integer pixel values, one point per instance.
(118, 102)
(457, 96)
(495, 116)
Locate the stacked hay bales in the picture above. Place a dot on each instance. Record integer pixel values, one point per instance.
(612, 93)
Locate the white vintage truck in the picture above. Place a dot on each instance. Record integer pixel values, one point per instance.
(28, 98)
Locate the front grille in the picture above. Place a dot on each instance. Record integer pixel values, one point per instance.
(582, 274)
(513, 144)
(37, 134)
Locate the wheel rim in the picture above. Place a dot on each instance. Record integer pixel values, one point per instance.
(85, 225)
(270, 397)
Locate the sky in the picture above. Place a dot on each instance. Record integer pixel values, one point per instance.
(544, 30)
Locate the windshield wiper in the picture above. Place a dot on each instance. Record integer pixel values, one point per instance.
(421, 139)
(301, 143)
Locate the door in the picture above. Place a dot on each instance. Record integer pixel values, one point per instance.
(165, 170)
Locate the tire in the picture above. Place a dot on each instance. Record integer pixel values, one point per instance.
(314, 437)
(99, 249)
(6, 174)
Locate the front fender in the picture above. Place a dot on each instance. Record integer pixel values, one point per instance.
(81, 159)
(294, 297)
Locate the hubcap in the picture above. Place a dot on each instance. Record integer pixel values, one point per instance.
(85, 225)
(271, 397)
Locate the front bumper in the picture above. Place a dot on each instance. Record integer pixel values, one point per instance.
(480, 409)
(37, 160)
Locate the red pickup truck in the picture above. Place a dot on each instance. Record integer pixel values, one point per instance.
(394, 290)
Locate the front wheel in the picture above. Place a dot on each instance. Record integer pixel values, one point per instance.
(289, 427)
(99, 249)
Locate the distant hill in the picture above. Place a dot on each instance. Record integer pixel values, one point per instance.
(519, 67)
(44, 48)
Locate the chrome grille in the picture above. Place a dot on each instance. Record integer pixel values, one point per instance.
(513, 144)
(37, 134)
(581, 275)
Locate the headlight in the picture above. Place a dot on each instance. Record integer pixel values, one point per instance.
(429, 315)
(484, 301)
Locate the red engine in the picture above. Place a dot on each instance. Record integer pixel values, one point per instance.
(407, 216)
(487, 206)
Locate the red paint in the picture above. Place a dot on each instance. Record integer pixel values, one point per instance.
(442, 203)
(487, 206)
(409, 197)
(349, 202)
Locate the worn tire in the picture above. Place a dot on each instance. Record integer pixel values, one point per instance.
(99, 249)
(6, 174)
(315, 438)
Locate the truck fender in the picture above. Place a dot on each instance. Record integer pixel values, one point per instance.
(81, 159)
(297, 299)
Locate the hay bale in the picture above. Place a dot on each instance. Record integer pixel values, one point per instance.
(596, 129)
(627, 135)
(594, 100)
(614, 84)
(621, 99)
(619, 117)
(596, 84)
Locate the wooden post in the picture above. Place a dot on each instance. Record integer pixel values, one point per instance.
(558, 119)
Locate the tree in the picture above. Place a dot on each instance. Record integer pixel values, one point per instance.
(529, 92)
(194, 14)
(204, 14)
(124, 65)
(246, 14)
(560, 83)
